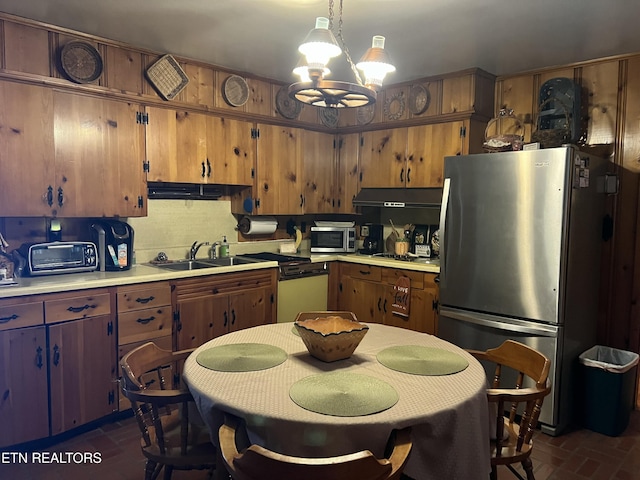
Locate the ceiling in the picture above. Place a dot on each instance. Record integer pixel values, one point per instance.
(424, 37)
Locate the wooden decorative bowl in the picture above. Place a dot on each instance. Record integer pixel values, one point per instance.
(330, 336)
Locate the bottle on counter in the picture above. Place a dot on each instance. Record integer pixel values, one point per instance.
(224, 247)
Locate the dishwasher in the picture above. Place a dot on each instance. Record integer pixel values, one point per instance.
(302, 284)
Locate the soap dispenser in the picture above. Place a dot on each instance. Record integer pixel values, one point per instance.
(224, 247)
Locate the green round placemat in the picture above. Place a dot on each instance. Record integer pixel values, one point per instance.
(419, 360)
(343, 394)
(241, 357)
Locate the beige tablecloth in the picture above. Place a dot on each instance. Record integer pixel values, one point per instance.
(448, 414)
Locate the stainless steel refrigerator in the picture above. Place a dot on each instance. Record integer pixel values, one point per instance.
(520, 240)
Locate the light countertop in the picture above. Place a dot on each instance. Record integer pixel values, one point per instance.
(143, 273)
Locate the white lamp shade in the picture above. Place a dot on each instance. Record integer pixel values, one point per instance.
(320, 46)
(375, 63)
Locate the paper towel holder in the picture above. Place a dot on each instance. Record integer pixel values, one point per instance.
(257, 225)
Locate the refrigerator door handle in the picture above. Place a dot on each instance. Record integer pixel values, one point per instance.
(492, 322)
(442, 233)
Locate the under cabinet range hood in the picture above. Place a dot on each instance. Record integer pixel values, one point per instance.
(399, 197)
(181, 191)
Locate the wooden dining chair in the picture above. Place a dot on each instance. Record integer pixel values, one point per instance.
(173, 435)
(512, 438)
(258, 463)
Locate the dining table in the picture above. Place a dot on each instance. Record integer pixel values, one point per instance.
(296, 404)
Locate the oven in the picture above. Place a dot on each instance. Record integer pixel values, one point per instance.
(302, 284)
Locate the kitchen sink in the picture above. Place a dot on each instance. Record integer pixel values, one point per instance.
(229, 261)
(182, 265)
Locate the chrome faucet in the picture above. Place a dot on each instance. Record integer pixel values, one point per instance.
(194, 249)
(214, 253)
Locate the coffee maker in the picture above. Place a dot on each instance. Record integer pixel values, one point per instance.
(114, 240)
(373, 238)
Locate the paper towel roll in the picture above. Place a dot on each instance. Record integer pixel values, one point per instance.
(257, 225)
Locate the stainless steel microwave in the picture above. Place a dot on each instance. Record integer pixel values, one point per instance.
(333, 239)
(59, 257)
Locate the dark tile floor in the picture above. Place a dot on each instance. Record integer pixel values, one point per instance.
(575, 455)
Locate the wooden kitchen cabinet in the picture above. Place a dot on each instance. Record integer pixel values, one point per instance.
(82, 358)
(69, 155)
(99, 157)
(144, 315)
(26, 150)
(368, 292)
(319, 171)
(207, 307)
(346, 179)
(278, 184)
(190, 147)
(410, 157)
(24, 406)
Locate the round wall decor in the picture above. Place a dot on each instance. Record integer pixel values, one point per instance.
(394, 106)
(365, 114)
(285, 105)
(329, 117)
(235, 90)
(81, 62)
(419, 99)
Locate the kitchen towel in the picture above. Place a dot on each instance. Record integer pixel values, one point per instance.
(254, 225)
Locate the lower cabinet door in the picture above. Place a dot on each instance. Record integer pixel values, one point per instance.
(82, 360)
(24, 414)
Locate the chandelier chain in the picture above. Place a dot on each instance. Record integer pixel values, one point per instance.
(342, 40)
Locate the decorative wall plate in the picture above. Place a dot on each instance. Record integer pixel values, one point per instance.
(329, 117)
(287, 106)
(81, 62)
(365, 114)
(394, 106)
(235, 91)
(167, 77)
(419, 99)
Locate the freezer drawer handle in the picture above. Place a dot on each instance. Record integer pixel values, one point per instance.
(539, 331)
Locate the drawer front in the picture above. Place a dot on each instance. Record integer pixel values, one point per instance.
(365, 272)
(144, 324)
(18, 316)
(391, 275)
(131, 299)
(74, 308)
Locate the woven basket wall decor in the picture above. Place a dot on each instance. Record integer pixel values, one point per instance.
(504, 142)
(552, 137)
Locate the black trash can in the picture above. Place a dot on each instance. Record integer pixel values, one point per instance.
(609, 387)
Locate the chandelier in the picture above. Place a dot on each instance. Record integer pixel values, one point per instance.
(318, 48)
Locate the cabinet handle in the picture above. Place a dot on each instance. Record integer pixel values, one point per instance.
(145, 300)
(208, 168)
(384, 307)
(365, 272)
(408, 175)
(144, 321)
(402, 176)
(8, 319)
(50, 196)
(226, 318)
(233, 316)
(202, 170)
(379, 300)
(56, 355)
(80, 309)
(39, 362)
(60, 197)
(301, 200)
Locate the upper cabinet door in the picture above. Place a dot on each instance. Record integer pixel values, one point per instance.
(99, 149)
(318, 171)
(26, 150)
(176, 146)
(383, 158)
(231, 151)
(346, 185)
(278, 165)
